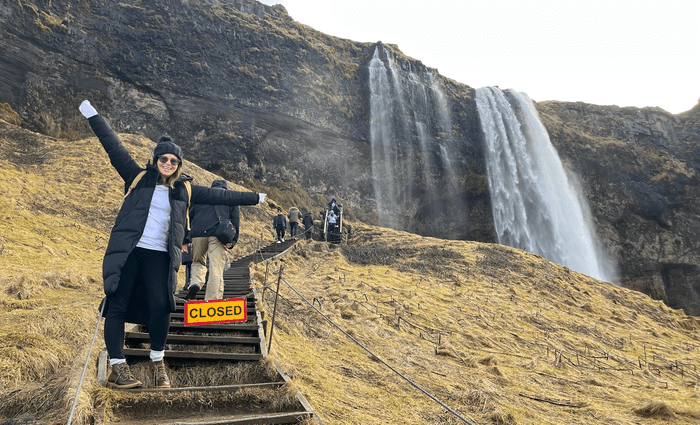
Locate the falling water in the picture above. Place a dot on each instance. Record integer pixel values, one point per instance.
(445, 136)
(535, 207)
(415, 161)
(406, 133)
(382, 137)
(421, 118)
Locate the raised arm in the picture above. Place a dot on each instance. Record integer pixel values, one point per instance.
(209, 196)
(119, 156)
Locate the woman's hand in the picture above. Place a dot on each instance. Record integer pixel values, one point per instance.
(87, 110)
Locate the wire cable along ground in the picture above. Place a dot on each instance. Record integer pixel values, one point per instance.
(418, 387)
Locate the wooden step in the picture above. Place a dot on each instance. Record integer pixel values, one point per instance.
(250, 300)
(195, 339)
(213, 388)
(194, 355)
(249, 419)
(237, 292)
(251, 312)
(245, 326)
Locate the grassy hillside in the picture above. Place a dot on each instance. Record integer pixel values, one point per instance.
(498, 335)
(59, 200)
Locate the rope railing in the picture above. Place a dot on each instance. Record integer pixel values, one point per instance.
(379, 359)
(87, 360)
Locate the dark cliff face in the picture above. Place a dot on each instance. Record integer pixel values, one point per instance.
(256, 97)
(279, 107)
(639, 170)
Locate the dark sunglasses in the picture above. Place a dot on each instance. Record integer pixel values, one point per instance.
(174, 161)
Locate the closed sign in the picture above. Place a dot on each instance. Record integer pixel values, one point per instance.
(215, 311)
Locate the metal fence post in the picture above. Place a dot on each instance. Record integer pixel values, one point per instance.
(274, 310)
(267, 267)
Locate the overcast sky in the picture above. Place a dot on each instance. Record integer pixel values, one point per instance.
(607, 53)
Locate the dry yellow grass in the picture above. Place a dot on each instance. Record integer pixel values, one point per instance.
(498, 335)
(59, 200)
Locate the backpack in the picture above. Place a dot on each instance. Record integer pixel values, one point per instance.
(225, 230)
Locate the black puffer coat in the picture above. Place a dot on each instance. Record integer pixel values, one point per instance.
(131, 219)
(204, 219)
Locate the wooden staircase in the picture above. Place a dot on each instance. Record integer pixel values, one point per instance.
(219, 373)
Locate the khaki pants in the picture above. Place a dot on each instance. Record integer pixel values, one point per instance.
(213, 248)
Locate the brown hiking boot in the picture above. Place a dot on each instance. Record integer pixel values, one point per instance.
(122, 378)
(160, 375)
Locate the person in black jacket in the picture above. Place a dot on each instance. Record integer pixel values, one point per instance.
(279, 223)
(144, 251)
(208, 243)
(308, 224)
(334, 205)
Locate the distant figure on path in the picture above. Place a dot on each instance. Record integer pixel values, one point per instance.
(334, 205)
(294, 218)
(308, 224)
(332, 220)
(279, 223)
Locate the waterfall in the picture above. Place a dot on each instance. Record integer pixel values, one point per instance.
(405, 181)
(412, 149)
(447, 147)
(421, 118)
(382, 138)
(535, 205)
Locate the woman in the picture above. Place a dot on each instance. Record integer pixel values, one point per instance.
(144, 251)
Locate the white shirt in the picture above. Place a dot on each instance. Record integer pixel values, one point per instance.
(155, 235)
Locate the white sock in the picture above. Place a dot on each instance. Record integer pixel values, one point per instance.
(157, 356)
(113, 362)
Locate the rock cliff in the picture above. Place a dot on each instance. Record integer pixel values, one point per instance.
(639, 170)
(279, 107)
(258, 98)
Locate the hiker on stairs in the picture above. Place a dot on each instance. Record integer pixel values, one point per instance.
(214, 231)
(279, 223)
(144, 251)
(332, 221)
(294, 216)
(308, 224)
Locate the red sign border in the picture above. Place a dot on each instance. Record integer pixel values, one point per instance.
(244, 319)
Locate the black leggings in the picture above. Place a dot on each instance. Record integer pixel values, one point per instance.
(150, 269)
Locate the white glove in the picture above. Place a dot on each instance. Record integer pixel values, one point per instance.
(87, 110)
(261, 197)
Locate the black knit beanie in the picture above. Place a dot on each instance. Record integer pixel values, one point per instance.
(166, 145)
